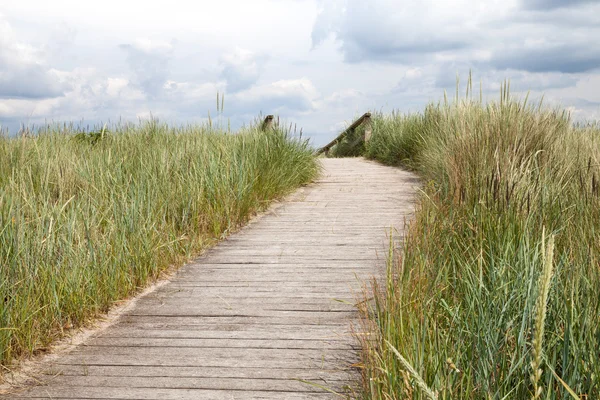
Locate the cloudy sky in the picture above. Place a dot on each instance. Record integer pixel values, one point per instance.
(317, 63)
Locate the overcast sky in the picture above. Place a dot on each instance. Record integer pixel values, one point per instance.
(317, 63)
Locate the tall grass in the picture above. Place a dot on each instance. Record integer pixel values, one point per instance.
(479, 304)
(88, 219)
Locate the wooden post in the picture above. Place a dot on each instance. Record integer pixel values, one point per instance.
(368, 127)
(267, 123)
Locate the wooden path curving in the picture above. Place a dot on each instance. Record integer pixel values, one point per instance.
(260, 313)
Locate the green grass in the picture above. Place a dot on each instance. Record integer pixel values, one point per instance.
(497, 292)
(88, 219)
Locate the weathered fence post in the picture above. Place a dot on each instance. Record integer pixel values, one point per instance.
(368, 127)
(267, 123)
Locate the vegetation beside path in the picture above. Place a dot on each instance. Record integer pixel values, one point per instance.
(496, 295)
(88, 219)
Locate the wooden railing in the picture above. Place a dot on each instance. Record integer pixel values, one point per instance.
(364, 119)
(267, 123)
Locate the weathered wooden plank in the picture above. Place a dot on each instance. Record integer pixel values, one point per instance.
(265, 291)
(290, 274)
(349, 228)
(232, 331)
(289, 360)
(294, 266)
(172, 307)
(262, 343)
(332, 319)
(313, 374)
(63, 392)
(196, 353)
(213, 383)
(258, 259)
(301, 252)
(166, 298)
(197, 293)
(248, 312)
(275, 284)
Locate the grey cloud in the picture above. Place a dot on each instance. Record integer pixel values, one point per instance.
(585, 103)
(328, 20)
(28, 82)
(241, 69)
(385, 31)
(416, 81)
(149, 63)
(358, 47)
(447, 74)
(376, 31)
(23, 72)
(10, 125)
(294, 96)
(523, 81)
(574, 58)
(282, 103)
(490, 79)
(269, 104)
(552, 4)
(581, 110)
(564, 20)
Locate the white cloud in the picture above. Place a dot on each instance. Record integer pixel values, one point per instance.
(341, 98)
(23, 70)
(149, 63)
(294, 96)
(241, 69)
(416, 80)
(27, 108)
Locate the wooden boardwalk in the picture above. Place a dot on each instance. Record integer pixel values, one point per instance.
(260, 313)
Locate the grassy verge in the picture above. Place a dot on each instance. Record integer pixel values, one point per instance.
(496, 295)
(88, 219)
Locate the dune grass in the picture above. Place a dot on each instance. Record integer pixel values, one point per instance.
(88, 219)
(496, 294)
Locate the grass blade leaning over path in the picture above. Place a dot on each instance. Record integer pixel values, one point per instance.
(88, 219)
